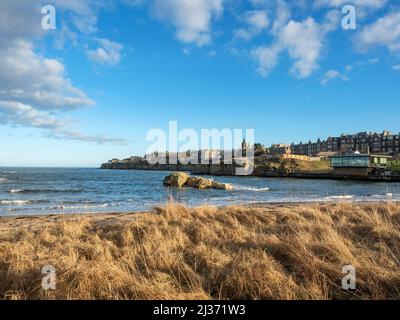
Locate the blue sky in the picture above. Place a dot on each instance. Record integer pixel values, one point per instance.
(111, 71)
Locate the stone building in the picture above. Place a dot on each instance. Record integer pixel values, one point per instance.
(357, 164)
(364, 142)
(279, 149)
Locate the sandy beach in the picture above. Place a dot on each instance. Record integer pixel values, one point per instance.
(294, 251)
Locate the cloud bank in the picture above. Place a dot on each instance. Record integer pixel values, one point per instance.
(35, 91)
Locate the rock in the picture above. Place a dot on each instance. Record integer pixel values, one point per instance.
(199, 183)
(179, 179)
(176, 179)
(222, 186)
(191, 182)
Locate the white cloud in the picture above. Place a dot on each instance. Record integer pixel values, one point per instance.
(302, 40)
(304, 43)
(65, 134)
(362, 64)
(358, 3)
(257, 21)
(266, 58)
(383, 32)
(191, 18)
(21, 115)
(16, 113)
(282, 16)
(373, 60)
(348, 70)
(35, 90)
(30, 78)
(396, 67)
(19, 19)
(331, 75)
(109, 52)
(242, 34)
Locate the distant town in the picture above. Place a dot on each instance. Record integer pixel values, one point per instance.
(365, 155)
(385, 143)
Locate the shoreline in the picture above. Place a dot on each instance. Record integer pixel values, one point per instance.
(101, 216)
(229, 171)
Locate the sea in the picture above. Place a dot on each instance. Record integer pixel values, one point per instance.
(43, 191)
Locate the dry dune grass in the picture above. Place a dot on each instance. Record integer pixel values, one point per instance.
(266, 252)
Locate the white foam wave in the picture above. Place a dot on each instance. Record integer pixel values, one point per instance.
(15, 202)
(82, 207)
(3, 180)
(339, 197)
(255, 189)
(15, 190)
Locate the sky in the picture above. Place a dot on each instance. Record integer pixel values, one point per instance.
(111, 71)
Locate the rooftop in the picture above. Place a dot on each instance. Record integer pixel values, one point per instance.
(360, 155)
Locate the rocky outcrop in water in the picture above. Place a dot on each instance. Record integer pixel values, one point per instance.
(177, 179)
(181, 179)
(222, 186)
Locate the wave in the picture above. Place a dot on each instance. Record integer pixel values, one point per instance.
(15, 190)
(339, 197)
(44, 191)
(255, 189)
(17, 202)
(21, 202)
(7, 172)
(3, 180)
(386, 195)
(81, 206)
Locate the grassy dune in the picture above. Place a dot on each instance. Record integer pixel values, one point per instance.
(265, 252)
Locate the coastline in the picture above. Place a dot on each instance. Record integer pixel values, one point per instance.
(256, 205)
(259, 172)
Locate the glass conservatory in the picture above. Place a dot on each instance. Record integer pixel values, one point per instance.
(359, 161)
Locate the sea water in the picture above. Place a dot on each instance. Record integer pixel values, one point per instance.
(33, 191)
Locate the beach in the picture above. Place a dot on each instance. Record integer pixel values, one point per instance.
(258, 251)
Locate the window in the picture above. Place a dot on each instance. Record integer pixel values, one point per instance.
(361, 161)
(336, 162)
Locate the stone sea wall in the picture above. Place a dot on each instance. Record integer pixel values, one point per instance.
(229, 170)
(216, 170)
